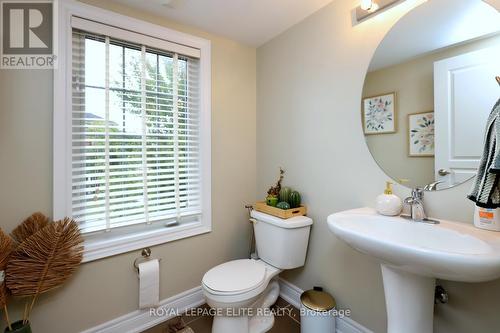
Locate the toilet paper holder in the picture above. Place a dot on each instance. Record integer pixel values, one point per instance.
(146, 255)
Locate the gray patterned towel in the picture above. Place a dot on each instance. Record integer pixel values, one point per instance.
(486, 192)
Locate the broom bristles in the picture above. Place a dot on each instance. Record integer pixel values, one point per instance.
(29, 227)
(45, 260)
(6, 247)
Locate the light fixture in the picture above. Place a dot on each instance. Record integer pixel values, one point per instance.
(366, 4)
(368, 8)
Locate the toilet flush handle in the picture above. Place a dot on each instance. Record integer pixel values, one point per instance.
(253, 220)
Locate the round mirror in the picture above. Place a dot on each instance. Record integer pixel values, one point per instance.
(429, 90)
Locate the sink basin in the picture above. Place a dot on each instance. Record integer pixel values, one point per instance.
(449, 250)
(413, 255)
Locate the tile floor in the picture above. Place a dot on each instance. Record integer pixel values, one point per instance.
(282, 324)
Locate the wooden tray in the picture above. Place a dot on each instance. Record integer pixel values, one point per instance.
(261, 206)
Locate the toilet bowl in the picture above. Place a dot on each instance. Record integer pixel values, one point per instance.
(242, 291)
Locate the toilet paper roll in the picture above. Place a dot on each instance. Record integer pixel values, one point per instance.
(149, 284)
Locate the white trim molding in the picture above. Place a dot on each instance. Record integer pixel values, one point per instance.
(140, 320)
(291, 293)
(106, 245)
(100, 246)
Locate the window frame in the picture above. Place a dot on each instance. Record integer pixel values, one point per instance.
(105, 244)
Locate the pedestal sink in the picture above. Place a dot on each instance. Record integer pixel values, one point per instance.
(413, 255)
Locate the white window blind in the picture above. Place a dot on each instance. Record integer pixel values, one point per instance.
(135, 134)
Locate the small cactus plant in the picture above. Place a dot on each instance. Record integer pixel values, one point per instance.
(275, 190)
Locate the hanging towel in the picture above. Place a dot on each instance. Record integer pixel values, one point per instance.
(486, 192)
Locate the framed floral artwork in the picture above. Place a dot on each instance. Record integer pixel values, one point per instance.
(379, 114)
(421, 134)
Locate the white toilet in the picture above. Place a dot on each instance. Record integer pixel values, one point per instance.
(241, 291)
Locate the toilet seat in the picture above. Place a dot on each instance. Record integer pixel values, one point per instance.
(235, 277)
(242, 291)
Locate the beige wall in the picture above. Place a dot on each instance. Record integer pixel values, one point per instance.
(105, 289)
(310, 81)
(413, 82)
(308, 120)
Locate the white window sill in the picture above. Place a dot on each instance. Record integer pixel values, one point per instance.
(106, 244)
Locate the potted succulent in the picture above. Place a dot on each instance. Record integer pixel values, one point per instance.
(42, 256)
(274, 191)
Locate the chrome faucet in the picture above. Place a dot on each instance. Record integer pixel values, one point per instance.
(417, 211)
(416, 203)
(432, 186)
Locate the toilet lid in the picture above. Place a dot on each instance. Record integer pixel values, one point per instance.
(235, 276)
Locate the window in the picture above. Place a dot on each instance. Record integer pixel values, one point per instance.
(135, 163)
(135, 137)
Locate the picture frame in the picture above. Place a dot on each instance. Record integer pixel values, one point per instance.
(421, 132)
(379, 114)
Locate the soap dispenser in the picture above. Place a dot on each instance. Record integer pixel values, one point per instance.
(388, 203)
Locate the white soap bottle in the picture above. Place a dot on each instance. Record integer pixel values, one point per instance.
(388, 203)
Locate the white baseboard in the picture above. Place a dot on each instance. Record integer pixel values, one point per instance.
(140, 320)
(291, 293)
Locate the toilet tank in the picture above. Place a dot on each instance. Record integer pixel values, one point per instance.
(281, 243)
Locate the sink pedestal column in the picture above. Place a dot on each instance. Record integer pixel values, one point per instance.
(409, 299)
